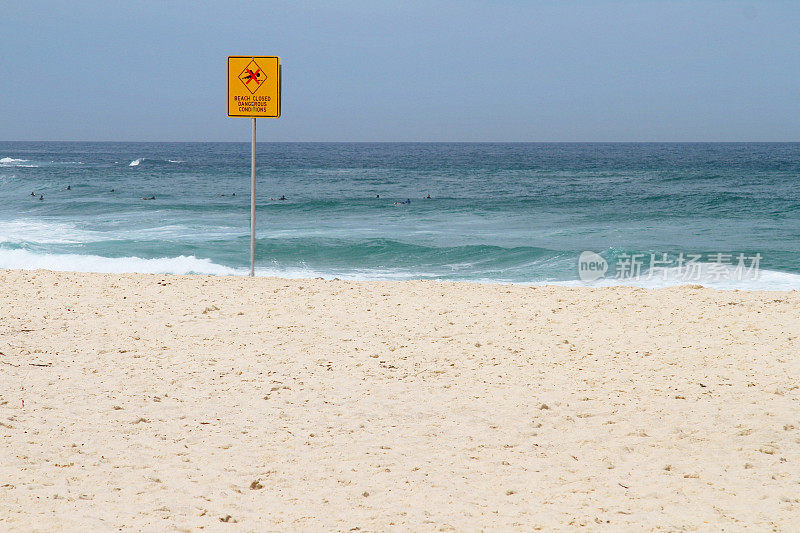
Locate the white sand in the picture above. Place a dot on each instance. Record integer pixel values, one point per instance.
(398, 405)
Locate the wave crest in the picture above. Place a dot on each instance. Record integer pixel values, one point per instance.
(25, 260)
(767, 280)
(12, 162)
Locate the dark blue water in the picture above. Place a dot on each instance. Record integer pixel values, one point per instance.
(497, 212)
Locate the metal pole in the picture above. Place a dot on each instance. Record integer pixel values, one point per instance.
(253, 201)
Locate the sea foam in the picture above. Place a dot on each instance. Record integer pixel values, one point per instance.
(767, 280)
(762, 280)
(42, 232)
(26, 260)
(12, 162)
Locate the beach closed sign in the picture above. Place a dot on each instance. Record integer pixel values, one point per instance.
(254, 86)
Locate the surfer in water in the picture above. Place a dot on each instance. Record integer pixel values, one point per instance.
(150, 198)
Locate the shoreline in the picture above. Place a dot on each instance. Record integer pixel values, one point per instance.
(153, 401)
(788, 282)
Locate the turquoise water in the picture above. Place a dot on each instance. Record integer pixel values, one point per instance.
(498, 212)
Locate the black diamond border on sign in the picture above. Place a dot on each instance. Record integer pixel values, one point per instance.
(258, 86)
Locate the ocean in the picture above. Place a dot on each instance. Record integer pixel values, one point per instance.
(645, 214)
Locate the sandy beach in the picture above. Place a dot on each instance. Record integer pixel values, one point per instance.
(159, 403)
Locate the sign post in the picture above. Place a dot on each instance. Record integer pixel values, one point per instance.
(253, 200)
(254, 90)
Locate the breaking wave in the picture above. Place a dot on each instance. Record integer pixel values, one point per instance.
(26, 260)
(12, 162)
(767, 280)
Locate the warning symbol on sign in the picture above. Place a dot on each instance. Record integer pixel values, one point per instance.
(252, 77)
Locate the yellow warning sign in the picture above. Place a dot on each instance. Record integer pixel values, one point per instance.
(254, 86)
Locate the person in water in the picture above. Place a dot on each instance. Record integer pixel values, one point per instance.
(33, 194)
(41, 197)
(428, 197)
(151, 198)
(282, 197)
(69, 187)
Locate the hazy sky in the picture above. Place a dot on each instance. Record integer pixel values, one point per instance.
(405, 71)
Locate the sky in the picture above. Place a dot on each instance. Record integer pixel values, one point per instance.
(529, 71)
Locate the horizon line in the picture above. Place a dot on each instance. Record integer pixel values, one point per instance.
(399, 142)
